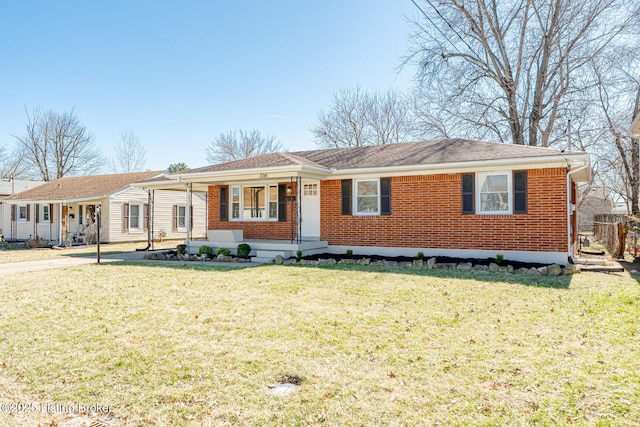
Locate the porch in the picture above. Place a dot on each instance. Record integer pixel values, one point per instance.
(264, 250)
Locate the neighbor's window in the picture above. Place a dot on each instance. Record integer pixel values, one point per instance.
(235, 202)
(182, 215)
(134, 216)
(367, 197)
(494, 193)
(22, 213)
(44, 215)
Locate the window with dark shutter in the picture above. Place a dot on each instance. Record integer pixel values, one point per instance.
(37, 210)
(224, 203)
(125, 217)
(282, 202)
(346, 196)
(174, 222)
(146, 217)
(28, 213)
(520, 192)
(51, 212)
(385, 196)
(468, 199)
(14, 209)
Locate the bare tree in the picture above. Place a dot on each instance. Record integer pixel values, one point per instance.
(12, 164)
(357, 118)
(57, 145)
(130, 156)
(508, 70)
(239, 144)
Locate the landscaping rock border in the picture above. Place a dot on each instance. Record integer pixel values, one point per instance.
(431, 264)
(175, 256)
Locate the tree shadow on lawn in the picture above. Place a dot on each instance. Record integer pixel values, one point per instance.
(559, 282)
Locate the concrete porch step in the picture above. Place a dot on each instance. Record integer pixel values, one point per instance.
(261, 260)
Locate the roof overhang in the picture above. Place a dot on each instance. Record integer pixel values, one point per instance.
(578, 162)
(71, 200)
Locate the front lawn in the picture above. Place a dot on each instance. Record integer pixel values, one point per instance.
(194, 345)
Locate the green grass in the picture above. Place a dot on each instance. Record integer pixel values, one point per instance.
(201, 346)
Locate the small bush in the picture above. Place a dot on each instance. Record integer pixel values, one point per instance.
(420, 255)
(37, 243)
(205, 250)
(499, 259)
(298, 254)
(181, 249)
(349, 253)
(244, 250)
(223, 251)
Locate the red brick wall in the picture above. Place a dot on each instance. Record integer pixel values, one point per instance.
(427, 213)
(252, 229)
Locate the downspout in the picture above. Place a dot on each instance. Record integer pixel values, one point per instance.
(569, 181)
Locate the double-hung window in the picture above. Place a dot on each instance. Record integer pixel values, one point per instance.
(134, 217)
(22, 214)
(494, 193)
(366, 200)
(45, 215)
(182, 217)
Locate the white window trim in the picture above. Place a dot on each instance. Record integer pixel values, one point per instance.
(479, 181)
(21, 220)
(41, 214)
(241, 203)
(140, 226)
(355, 197)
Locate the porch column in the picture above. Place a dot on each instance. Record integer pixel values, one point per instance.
(60, 224)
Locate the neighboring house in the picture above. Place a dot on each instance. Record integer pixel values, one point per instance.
(597, 200)
(64, 211)
(450, 197)
(8, 187)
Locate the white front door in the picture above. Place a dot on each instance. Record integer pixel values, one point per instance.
(310, 209)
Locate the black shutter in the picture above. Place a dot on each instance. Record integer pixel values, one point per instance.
(520, 192)
(51, 212)
(385, 196)
(282, 202)
(346, 197)
(14, 208)
(468, 199)
(224, 203)
(37, 209)
(191, 217)
(146, 217)
(28, 213)
(174, 222)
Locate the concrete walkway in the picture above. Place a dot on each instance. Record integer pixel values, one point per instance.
(63, 262)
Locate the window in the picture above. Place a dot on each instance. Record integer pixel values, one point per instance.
(367, 197)
(494, 193)
(310, 190)
(22, 214)
(44, 213)
(261, 202)
(235, 202)
(134, 216)
(182, 217)
(273, 202)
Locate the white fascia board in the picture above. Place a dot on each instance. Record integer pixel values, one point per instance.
(578, 159)
(244, 174)
(55, 201)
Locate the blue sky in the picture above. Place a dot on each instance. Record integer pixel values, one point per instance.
(177, 74)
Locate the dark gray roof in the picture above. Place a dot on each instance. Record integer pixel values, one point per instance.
(405, 154)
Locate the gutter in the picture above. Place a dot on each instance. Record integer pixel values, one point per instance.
(569, 180)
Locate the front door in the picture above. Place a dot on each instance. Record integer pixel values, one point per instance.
(310, 209)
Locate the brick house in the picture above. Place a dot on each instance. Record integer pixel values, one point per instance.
(452, 197)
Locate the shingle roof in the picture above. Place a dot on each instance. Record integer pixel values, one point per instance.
(404, 154)
(83, 187)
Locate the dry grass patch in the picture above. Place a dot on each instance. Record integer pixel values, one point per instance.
(202, 346)
(36, 254)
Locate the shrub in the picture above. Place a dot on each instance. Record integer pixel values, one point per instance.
(205, 250)
(349, 253)
(420, 255)
(499, 259)
(244, 250)
(181, 249)
(223, 251)
(298, 254)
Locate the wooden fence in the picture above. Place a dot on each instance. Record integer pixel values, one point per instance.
(620, 234)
